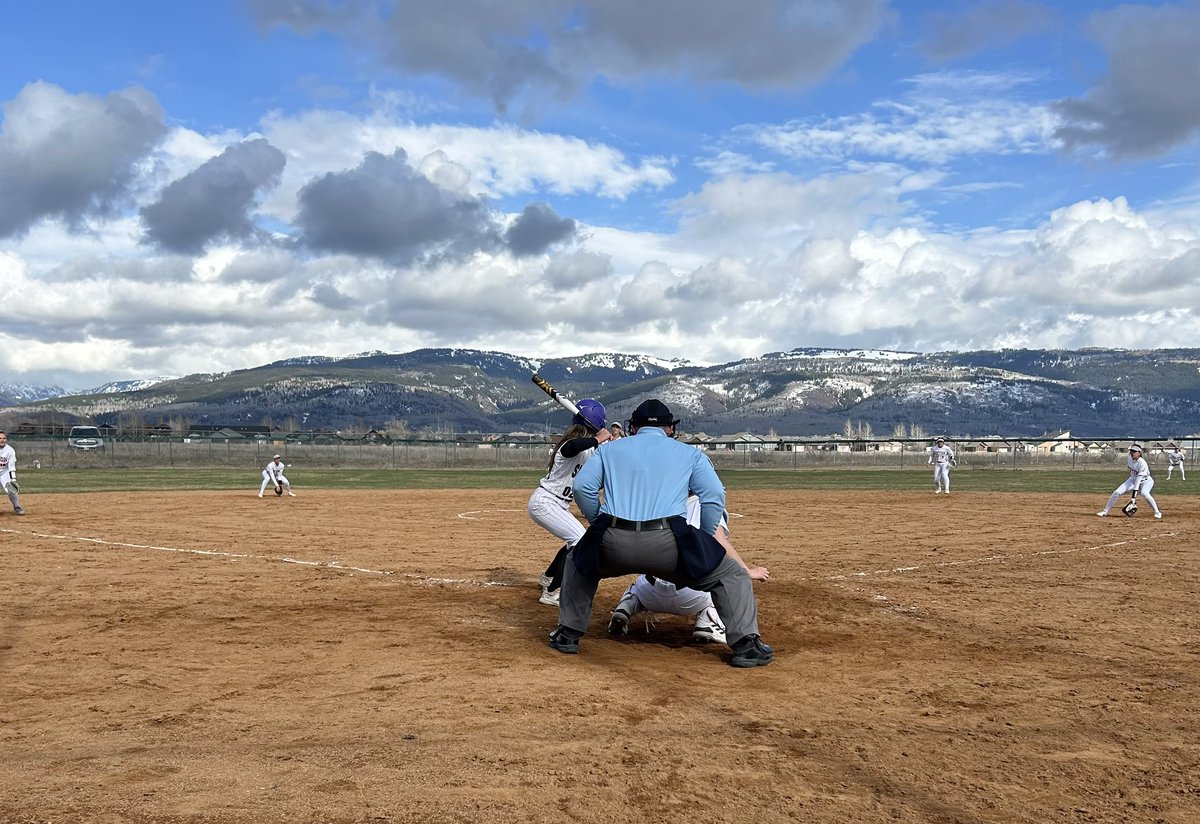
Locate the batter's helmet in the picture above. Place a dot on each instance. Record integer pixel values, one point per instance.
(591, 414)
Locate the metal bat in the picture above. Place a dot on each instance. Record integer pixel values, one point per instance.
(545, 386)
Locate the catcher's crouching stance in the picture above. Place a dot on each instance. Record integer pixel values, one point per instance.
(1138, 483)
(645, 479)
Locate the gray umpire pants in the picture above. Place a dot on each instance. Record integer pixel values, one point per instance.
(625, 552)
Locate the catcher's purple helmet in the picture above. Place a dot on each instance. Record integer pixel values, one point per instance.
(591, 414)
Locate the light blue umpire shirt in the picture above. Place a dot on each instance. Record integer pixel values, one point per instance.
(648, 475)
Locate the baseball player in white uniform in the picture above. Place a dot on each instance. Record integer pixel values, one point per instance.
(656, 595)
(1175, 459)
(8, 474)
(942, 459)
(273, 476)
(1139, 482)
(550, 504)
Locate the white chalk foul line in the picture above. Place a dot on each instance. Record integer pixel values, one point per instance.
(473, 514)
(280, 559)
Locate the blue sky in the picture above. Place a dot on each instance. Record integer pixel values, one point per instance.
(206, 186)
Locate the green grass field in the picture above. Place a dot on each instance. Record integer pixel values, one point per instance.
(985, 480)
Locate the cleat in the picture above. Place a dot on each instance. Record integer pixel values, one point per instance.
(708, 627)
(1158, 516)
(260, 494)
(937, 492)
(618, 623)
(626, 608)
(1103, 513)
(550, 597)
(565, 640)
(752, 652)
(545, 581)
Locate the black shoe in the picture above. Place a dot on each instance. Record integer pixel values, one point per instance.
(618, 624)
(752, 652)
(565, 640)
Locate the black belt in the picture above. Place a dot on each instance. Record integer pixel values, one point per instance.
(641, 526)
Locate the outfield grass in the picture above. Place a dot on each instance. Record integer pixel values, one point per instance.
(985, 480)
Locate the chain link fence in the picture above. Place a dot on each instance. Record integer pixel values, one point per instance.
(789, 454)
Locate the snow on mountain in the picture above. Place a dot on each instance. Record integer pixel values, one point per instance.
(12, 394)
(129, 385)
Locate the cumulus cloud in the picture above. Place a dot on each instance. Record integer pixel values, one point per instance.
(579, 268)
(552, 48)
(213, 201)
(986, 25)
(329, 297)
(386, 209)
(1146, 105)
(71, 157)
(493, 162)
(536, 229)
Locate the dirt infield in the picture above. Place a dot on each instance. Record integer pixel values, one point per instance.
(381, 657)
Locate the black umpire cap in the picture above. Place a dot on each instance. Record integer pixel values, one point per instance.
(652, 413)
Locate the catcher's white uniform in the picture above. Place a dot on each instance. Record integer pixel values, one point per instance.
(942, 458)
(1139, 479)
(273, 475)
(1175, 459)
(657, 595)
(8, 477)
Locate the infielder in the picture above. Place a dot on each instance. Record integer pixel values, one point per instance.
(273, 476)
(656, 595)
(550, 504)
(1138, 483)
(1175, 459)
(942, 459)
(8, 474)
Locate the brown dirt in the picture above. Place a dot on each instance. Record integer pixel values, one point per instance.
(985, 658)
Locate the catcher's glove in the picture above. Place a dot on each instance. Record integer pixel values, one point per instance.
(278, 489)
(1130, 508)
(11, 487)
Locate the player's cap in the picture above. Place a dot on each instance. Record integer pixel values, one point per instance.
(278, 456)
(1137, 447)
(652, 413)
(941, 440)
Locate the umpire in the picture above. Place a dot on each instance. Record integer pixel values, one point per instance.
(640, 528)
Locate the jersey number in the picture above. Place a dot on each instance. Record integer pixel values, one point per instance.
(568, 492)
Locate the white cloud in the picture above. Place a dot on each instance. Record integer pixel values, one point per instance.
(498, 161)
(945, 117)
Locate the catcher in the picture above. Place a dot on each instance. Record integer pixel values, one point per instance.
(273, 476)
(1138, 483)
(8, 474)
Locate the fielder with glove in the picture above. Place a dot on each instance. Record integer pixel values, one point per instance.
(942, 458)
(8, 474)
(273, 476)
(1138, 483)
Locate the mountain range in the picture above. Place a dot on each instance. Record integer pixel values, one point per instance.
(1092, 392)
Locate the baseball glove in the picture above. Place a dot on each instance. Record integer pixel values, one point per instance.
(1130, 508)
(278, 489)
(11, 487)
